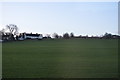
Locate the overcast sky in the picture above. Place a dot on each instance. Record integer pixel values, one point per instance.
(81, 18)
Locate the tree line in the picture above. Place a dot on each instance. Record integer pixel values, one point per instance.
(71, 35)
(13, 34)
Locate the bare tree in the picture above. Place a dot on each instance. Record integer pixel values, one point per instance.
(12, 28)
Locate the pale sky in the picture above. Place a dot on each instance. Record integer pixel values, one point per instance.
(81, 18)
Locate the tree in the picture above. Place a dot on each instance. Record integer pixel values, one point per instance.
(47, 36)
(71, 35)
(55, 35)
(1, 35)
(12, 28)
(107, 35)
(66, 35)
(2, 32)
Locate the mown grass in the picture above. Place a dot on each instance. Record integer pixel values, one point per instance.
(61, 58)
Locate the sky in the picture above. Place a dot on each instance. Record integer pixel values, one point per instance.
(81, 18)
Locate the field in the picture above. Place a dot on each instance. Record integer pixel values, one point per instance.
(61, 58)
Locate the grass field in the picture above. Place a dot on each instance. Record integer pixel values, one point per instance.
(70, 58)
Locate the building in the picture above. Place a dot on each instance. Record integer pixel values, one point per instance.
(24, 36)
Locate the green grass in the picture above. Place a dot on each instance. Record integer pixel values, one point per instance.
(70, 58)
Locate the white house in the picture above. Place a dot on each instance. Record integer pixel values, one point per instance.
(30, 36)
(33, 36)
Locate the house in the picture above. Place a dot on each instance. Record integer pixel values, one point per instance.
(24, 36)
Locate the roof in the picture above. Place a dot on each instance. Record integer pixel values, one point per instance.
(33, 35)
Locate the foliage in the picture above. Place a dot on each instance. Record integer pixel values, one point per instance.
(55, 35)
(72, 35)
(66, 36)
